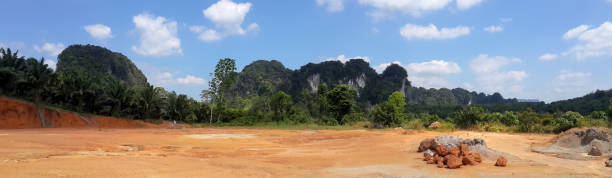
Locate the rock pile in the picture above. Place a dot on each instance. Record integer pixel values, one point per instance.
(450, 152)
(573, 143)
(435, 125)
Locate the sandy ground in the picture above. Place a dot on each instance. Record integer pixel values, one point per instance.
(226, 152)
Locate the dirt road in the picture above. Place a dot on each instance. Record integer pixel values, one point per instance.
(225, 152)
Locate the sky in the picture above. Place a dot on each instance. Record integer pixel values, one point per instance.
(547, 49)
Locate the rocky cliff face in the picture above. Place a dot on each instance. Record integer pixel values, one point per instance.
(99, 61)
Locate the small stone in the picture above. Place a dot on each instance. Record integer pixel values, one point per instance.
(453, 162)
(476, 157)
(431, 161)
(501, 162)
(425, 145)
(609, 163)
(441, 150)
(440, 162)
(469, 160)
(465, 149)
(455, 151)
(426, 157)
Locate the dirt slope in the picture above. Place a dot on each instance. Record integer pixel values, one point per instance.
(15, 114)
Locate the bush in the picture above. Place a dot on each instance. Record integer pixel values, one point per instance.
(510, 119)
(301, 117)
(353, 117)
(413, 124)
(469, 117)
(391, 112)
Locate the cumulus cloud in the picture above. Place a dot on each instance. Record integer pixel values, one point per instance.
(499, 27)
(158, 36)
(191, 80)
(575, 32)
(488, 64)
(592, 42)
(494, 28)
(228, 18)
(50, 49)
(548, 57)
(466, 4)
(331, 5)
(428, 74)
(167, 78)
(342, 58)
(411, 31)
(571, 82)
(51, 64)
(491, 77)
(413, 7)
(99, 31)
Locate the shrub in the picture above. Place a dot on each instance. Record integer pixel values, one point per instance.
(353, 117)
(510, 119)
(599, 115)
(469, 117)
(301, 117)
(391, 112)
(413, 124)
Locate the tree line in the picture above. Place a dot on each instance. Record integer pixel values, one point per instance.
(223, 104)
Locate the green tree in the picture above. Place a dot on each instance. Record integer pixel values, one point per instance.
(470, 116)
(281, 105)
(340, 101)
(599, 115)
(391, 112)
(510, 119)
(221, 81)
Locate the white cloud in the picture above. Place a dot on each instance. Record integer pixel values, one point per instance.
(434, 67)
(380, 68)
(466, 4)
(499, 27)
(158, 36)
(485, 64)
(342, 58)
(413, 7)
(51, 63)
(548, 57)
(99, 31)
(168, 79)
(592, 42)
(429, 74)
(331, 5)
(411, 31)
(50, 49)
(206, 35)
(575, 32)
(494, 28)
(491, 78)
(571, 82)
(191, 80)
(228, 17)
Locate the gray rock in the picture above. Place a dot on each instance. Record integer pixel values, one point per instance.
(595, 151)
(609, 163)
(429, 152)
(592, 134)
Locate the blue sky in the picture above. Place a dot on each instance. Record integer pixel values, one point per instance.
(546, 49)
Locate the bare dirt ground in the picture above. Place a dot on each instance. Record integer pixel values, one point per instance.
(227, 152)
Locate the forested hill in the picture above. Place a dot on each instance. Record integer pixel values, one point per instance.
(264, 77)
(98, 61)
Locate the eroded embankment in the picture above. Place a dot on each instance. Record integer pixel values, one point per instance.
(15, 114)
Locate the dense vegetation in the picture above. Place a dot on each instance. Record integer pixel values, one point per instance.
(94, 80)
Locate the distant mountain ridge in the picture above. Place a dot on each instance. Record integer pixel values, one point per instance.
(264, 76)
